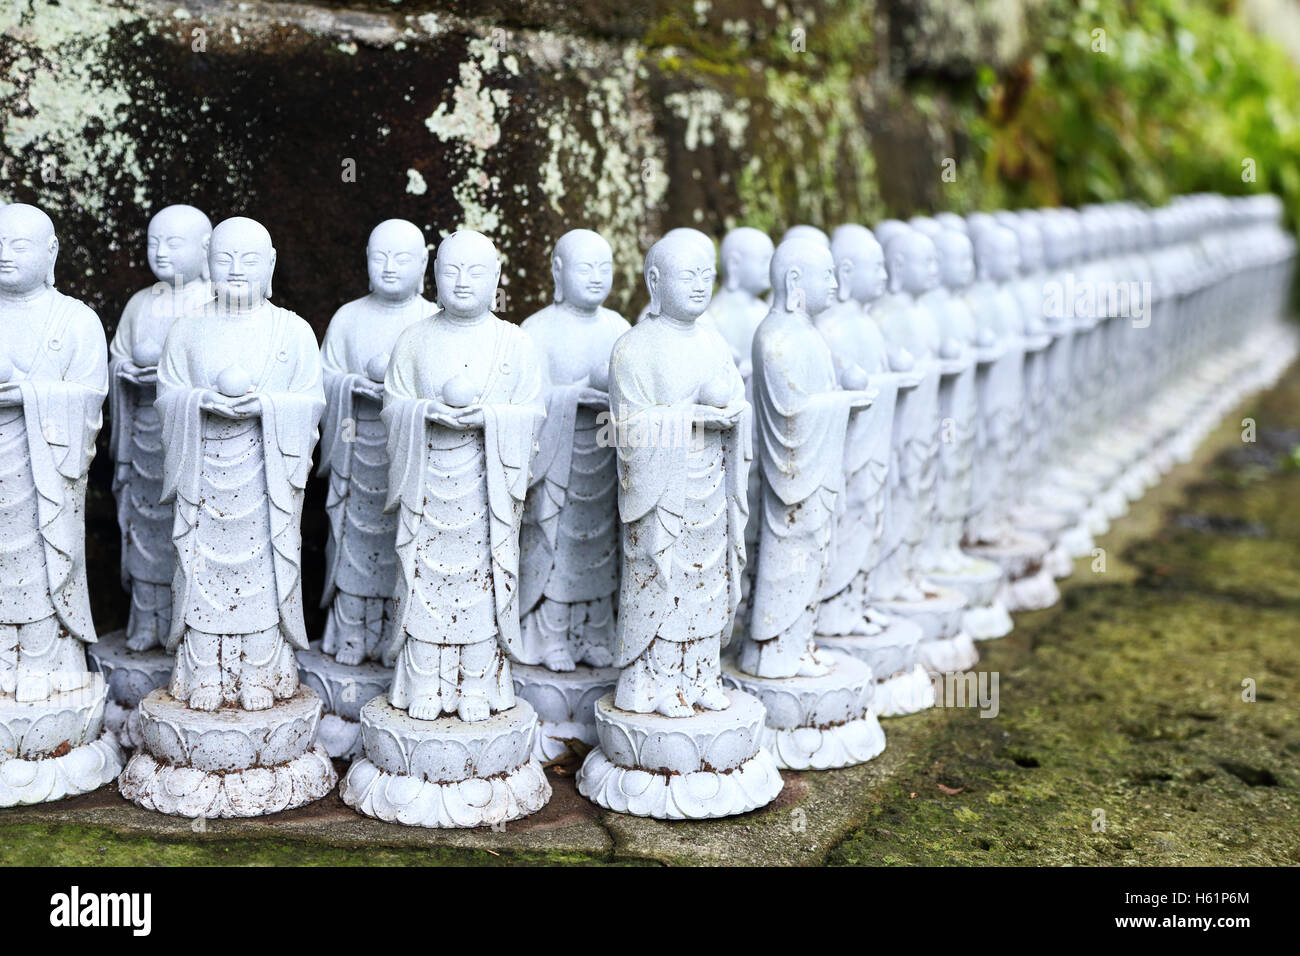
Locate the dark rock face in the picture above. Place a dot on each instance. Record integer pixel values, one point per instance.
(519, 119)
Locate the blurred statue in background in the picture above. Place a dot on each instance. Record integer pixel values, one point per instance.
(360, 559)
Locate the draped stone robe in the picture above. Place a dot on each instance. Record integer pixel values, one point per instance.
(145, 523)
(958, 427)
(1000, 396)
(570, 525)
(802, 415)
(54, 346)
(360, 561)
(459, 496)
(856, 340)
(237, 487)
(915, 449)
(683, 505)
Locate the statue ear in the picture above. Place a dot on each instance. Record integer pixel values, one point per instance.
(270, 274)
(731, 281)
(557, 267)
(894, 268)
(424, 267)
(792, 291)
(205, 270)
(843, 275)
(54, 256)
(652, 283)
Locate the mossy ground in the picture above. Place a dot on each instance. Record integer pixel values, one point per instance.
(1126, 698)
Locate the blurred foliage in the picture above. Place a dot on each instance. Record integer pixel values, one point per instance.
(1140, 99)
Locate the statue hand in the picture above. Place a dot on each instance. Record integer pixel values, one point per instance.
(469, 417)
(369, 388)
(710, 416)
(10, 394)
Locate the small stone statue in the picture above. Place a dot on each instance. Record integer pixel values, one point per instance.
(673, 743)
(134, 661)
(240, 397)
(704, 243)
(818, 702)
(449, 745)
(570, 573)
(901, 587)
(360, 560)
(848, 620)
(53, 379)
(961, 353)
(1003, 416)
(738, 307)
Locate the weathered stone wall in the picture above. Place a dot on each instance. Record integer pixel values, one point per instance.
(521, 119)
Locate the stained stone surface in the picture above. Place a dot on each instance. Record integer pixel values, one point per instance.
(344, 690)
(130, 675)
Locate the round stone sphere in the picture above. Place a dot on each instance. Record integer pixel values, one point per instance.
(377, 367)
(855, 378)
(234, 382)
(146, 353)
(716, 393)
(458, 392)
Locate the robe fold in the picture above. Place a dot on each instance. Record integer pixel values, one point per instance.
(437, 472)
(286, 379)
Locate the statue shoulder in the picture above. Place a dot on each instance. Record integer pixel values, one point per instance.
(79, 319)
(616, 323)
(538, 321)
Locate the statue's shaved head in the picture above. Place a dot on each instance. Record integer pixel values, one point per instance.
(396, 234)
(182, 219)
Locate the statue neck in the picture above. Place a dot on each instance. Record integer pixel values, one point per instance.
(464, 322)
(577, 310)
(383, 302)
(23, 299)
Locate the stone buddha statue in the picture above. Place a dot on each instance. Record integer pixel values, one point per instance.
(55, 376)
(53, 379)
(704, 244)
(683, 430)
(911, 325)
(463, 405)
(360, 560)
(847, 618)
(178, 238)
(570, 540)
(240, 398)
(962, 356)
(802, 412)
(1004, 337)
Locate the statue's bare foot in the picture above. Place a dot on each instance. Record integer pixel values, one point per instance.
(32, 687)
(810, 666)
(256, 698)
(600, 657)
(141, 642)
(559, 659)
(425, 708)
(205, 698)
(714, 699)
(349, 655)
(473, 708)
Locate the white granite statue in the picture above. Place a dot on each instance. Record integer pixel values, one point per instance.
(818, 702)
(960, 352)
(240, 397)
(449, 745)
(847, 619)
(739, 305)
(900, 586)
(134, 661)
(673, 743)
(360, 559)
(1005, 429)
(701, 241)
(570, 572)
(53, 379)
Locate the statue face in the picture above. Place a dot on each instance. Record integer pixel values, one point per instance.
(584, 272)
(26, 255)
(817, 282)
(241, 262)
(750, 269)
(957, 264)
(915, 263)
(395, 260)
(466, 272)
(868, 277)
(683, 284)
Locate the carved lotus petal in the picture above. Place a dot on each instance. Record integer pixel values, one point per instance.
(8, 744)
(807, 739)
(440, 759)
(549, 702)
(729, 748)
(223, 750)
(783, 710)
(618, 745)
(286, 742)
(163, 740)
(19, 773)
(384, 748)
(669, 751)
(636, 782)
(50, 730)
